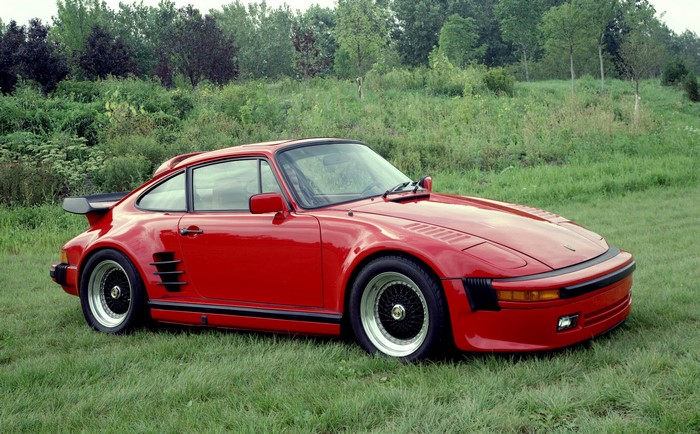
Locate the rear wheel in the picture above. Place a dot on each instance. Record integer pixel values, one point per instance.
(396, 308)
(112, 294)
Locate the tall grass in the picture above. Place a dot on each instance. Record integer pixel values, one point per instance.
(111, 135)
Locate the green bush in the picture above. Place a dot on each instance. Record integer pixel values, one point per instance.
(26, 184)
(499, 81)
(443, 78)
(690, 84)
(78, 91)
(673, 73)
(122, 173)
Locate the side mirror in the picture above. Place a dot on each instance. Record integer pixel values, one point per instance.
(266, 203)
(426, 182)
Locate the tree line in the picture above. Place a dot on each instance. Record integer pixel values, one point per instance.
(88, 40)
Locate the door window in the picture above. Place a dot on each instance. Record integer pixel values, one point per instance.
(228, 186)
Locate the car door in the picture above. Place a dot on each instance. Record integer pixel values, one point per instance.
(235, 256)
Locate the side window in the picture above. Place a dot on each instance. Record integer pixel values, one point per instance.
(168, 196)
(225, 186)
(268, 180)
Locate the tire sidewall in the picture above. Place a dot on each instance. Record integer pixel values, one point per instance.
(136, 313)
(429, 289)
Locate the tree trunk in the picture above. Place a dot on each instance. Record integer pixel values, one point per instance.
(602, 67)
(359, 87)
(571, 62)
(636, 100)
(527, 72)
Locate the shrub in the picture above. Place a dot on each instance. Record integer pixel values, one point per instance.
(122, 173)
(25, 184)
(690, 84)
(443, 77)
(498, 81)
(673, 73)
(78, 91)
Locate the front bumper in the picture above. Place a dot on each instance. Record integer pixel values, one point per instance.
(532, 326)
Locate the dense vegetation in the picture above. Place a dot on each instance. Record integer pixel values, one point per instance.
(111, 135)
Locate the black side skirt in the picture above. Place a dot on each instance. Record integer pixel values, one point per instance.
(287, 315)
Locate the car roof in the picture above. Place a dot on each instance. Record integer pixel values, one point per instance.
(263, 148)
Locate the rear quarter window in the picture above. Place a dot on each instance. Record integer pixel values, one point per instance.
(169, 195)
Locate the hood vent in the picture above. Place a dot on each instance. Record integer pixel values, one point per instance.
(169, 270)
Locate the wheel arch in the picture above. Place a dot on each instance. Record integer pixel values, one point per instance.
(362, 263)
(92, 251)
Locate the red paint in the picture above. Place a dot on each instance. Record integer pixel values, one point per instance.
(283, 257)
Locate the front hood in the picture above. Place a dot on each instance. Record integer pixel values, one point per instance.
(550, 239)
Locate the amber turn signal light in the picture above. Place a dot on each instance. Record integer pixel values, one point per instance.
(532, 295)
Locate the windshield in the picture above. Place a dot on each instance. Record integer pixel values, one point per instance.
(322, 175)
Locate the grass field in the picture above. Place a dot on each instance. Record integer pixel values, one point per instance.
(642, 193)
(58, 375)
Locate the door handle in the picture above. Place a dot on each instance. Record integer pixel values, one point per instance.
(188, 231)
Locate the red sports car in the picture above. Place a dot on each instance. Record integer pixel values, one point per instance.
(314, 236)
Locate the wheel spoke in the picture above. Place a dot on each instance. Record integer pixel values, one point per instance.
(109, 294)
(394, 314)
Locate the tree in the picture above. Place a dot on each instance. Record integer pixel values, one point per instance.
(320, 23)
(518, 20)
(144, 29)
(459, 39)
(419, 23)
(11, 43)
(686, 47)
(564, 27)
(263, 34)
(198, 49)
(75, 20)
(40, 60)
(598, 18)
(105, 55)
(362, 34)
(308, 61)
(641, 51)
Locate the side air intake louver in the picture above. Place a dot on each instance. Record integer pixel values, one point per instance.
(480, 294)
(169, 271)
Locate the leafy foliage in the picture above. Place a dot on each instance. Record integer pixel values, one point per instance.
(459, 39)
(690, 84)
(361, 33)
(674, 72)
(198, 49)
(263, 34)
(105, 55)
(11, 44)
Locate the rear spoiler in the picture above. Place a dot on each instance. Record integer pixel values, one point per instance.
(94, 206)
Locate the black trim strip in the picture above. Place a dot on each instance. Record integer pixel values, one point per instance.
(177, 261)
(601, 282)
(611, 253)
(328, 318)
(168, 273)
(175, 283)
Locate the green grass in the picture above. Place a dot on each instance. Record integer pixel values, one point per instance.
(58, 375)
(637, 184)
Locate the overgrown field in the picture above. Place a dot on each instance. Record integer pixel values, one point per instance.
(111, 135)
(586, 158)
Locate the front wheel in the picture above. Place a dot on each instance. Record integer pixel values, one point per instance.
(396, 308)
(112, 294)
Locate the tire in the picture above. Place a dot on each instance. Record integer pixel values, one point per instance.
(112, 294)
(397, 309)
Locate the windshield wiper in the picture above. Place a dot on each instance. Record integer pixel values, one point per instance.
(396, 188)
